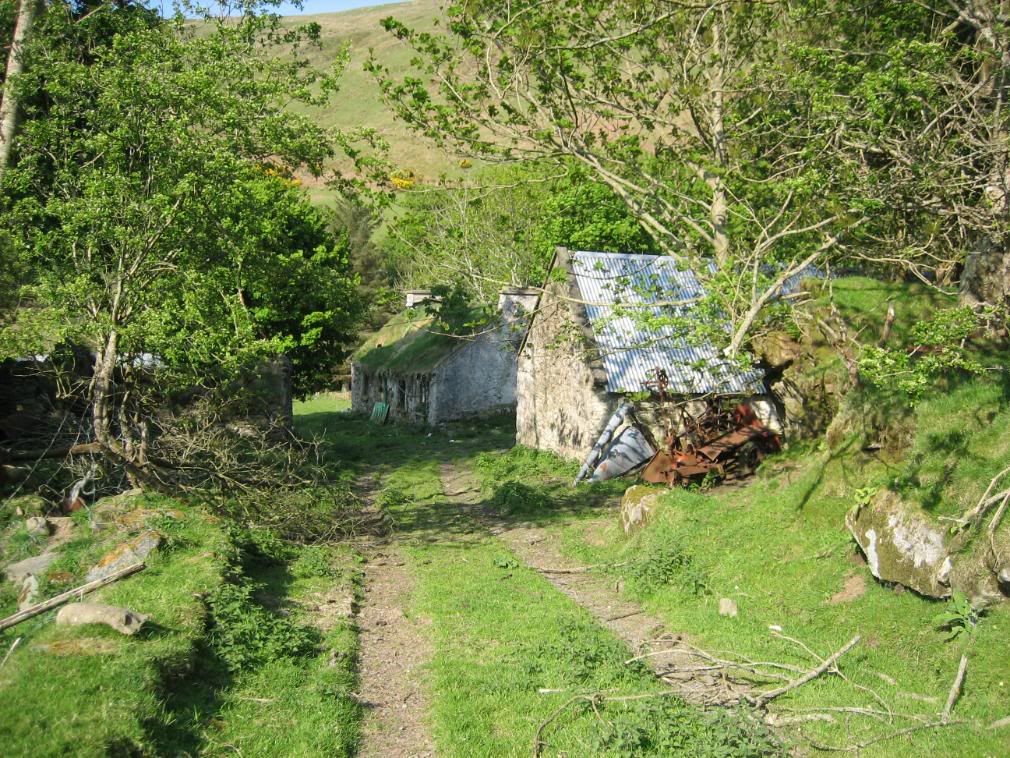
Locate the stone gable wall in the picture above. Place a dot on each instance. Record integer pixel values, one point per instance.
(562, 403)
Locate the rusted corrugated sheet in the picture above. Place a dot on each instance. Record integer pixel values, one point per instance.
(632, 351)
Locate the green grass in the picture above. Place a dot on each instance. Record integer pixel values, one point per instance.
(780, 549)
(324, 402)
(237, 655)
(863, 302)
(89, 691)
(299, 704)
(501, 632)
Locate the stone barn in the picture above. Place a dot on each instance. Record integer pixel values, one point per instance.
(583, 356)
(426, 376)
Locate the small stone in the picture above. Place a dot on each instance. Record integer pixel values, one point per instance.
(638, 506)
(1004, 576)
(29, 505)
(727, 607)
(37, 526)
(29, 592)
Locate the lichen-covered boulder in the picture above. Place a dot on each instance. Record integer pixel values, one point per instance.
(128, 553)
(902, 544)
(638, 506)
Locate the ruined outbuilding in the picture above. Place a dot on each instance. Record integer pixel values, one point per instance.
(586, 353)
(428, 376)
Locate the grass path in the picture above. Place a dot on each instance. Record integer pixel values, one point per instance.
(392, 648)
(506, 650)
(666, 651)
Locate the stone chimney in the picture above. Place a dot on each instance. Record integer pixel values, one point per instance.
(416, 297)
(516, 305)
(517, 302)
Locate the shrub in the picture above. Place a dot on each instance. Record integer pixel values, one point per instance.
(244, 634)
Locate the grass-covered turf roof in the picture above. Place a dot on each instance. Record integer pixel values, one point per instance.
(408, 342)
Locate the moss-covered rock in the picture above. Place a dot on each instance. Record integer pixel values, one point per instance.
(638, 506)
(902, 544)
(26, 506)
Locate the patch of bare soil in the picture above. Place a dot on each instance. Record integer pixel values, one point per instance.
(392, 650)
(667, 652)
(855, 586)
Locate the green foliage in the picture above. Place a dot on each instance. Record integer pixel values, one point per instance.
(21, 544)
(246, 635)
(506, 562)
(152, 209)
(960, 617)
(504, 230)
(452, 311)
(514, 498)
(666, 564)
(314, 562)
(936, 347)
(667, 726)
(523, 464)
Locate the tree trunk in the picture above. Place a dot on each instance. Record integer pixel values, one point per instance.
(9, 107)
(986, 278)
(719, 207)
(103, 392)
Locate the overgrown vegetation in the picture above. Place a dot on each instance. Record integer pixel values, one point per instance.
(779, 548)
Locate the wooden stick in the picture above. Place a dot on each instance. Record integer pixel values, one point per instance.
(955, 688)
(64, 597)
(580, 569)
(538, 741)
(13, 645)
(828, 663)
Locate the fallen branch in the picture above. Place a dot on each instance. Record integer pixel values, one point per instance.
(538, 741)
(29, 456)
(580, 569)
(11, 650)
(955, 689)
(765, 697)
(987, 499)
(64, 597)
(882, 738)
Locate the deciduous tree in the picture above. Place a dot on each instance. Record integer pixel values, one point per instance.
(153, 211)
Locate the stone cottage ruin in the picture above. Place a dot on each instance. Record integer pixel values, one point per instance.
(583, 356)
(427, 376)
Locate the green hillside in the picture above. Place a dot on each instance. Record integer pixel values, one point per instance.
(358, 103)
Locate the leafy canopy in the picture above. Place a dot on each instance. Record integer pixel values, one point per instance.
(154, 207)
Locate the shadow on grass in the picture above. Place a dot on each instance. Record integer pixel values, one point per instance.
(520, 499)
(193, 695)
(191, 699)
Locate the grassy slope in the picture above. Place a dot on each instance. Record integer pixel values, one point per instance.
(358, 103)
(88, 690)
(500, 631)
(779, 547)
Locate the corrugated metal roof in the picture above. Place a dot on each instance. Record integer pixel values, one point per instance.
(632, 351)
